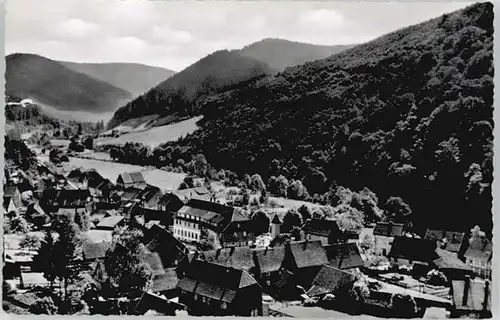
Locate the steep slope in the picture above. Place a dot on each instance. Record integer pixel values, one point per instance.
(280, 54)
(131, 77)
(409, 114)
(182, 92)
(50, 83)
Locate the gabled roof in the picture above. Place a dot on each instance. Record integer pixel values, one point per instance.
(344, 255)
(199, 193)
(171, 201)
(330, 280)
(235, 257)
(132, 177)
(450, 260)
(217, 215)
(214, 281)
(308, 253)
(131, 193)
(453, 240)
(322, 227)
(109, 222)
(475, 295)
(95, 250)
(66, 198)
(148, 192)
(388, 229)
(165, 244)
(414, 249)
(269, 259)
(34, 208)
(480, 249)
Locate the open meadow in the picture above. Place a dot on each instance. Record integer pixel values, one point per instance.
(111, 170)
(156, 135)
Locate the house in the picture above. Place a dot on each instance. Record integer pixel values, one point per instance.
(276, 223)
(448, 240)
(111, 223)
(268, 264)
(409, 252)
(131, 179)
(326, 231)
(449, 263)
(10, 206)
(130, 194)
(92, 251)
(53, 199)
(11, 193)
(478, 256)
(208, 289)
(150, 197)
(304, 259)
(170, 249)
(330, 280)
(240, 258)
(344, 256)
(199, 221)
(198, 193)
(170, 202)
(471, 297)
(384, 234)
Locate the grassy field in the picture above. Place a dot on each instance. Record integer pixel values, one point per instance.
(155, 136)
(111, 170)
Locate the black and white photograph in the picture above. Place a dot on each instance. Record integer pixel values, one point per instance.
(302, 159)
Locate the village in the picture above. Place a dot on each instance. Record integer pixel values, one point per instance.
(210, 253)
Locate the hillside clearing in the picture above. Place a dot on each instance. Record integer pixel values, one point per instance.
(157, 135)
(111, 170)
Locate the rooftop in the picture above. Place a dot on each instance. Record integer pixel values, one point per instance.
(329, 280)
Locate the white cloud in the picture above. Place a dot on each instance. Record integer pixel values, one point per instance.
(322, 18)
(127, 46)
(76, 28)
(166, 33)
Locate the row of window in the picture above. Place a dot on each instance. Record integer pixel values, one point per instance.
(185, 234)
(206, 300)
(187, 224)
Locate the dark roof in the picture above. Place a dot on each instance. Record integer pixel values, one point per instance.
(214, 281)
(171, 201)
(9, 191)
(388, 229)
(34, 208)
(148, 192)
(475, 295)
(132, 177)
(322, 227)
(414, 249)
(165, 244)
(480, 248)
(453, 240)
(344, 255)
(130, 193)
(308, 253)
(270, 259)
(66, 198)
(450, 260)
(329, 280)
(165, 281)
(217, 215)
(110, 222)
(235, 257)
(96, 250)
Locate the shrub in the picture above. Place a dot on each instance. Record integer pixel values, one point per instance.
(436, 278)
(44, 305)
(404, 304)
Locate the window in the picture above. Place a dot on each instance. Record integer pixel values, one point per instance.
(410, 261)
(223, 305)
(195, 296)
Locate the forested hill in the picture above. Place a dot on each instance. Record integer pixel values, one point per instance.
(182, 92)
(280, 53)
(50, 83)
(132, 77)
(409, 114)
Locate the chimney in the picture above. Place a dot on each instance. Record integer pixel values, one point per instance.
(466, 290)
(486, 295)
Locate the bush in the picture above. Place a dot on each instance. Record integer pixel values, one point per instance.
(404, 304)
(436, 278)
(44, 305)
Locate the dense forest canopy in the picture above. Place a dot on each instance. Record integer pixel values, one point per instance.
(182, 92)
(408, 115)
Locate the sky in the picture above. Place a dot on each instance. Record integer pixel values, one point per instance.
(175, 34)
